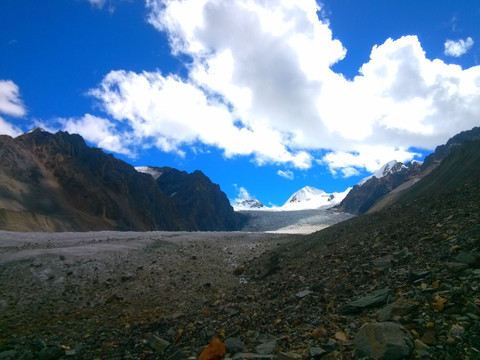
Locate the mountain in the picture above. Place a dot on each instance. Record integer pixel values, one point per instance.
(394, 178)
(249, 204)
(460, 167)
(55, 182)
(197, 199)
(417, 255)
(389, 168)
(312, 198)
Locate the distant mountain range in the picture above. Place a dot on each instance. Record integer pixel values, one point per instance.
(55, 182)
(391, 182)
(307, 198)
(372, 193)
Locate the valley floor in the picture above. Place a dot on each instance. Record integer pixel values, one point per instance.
(74, 292)
(401, 283)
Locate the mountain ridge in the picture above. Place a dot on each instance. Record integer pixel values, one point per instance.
(55, 182)
(364, 196)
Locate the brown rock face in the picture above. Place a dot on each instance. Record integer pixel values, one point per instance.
(55, 182)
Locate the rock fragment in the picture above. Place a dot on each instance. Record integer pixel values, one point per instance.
(401, 307)
(215, 350)
(267, 347)
(376, 298)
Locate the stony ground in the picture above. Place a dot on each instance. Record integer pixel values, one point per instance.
(403, 283)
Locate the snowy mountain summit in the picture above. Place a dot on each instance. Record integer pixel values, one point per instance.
(313, 198)
(389, 168)
(249, 204)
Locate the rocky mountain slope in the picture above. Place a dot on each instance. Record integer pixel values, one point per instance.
(400, 283)
(364, 195)
(55, 182)
(198, 200)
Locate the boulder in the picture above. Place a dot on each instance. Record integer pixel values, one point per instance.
(401, 307)
(386, 340)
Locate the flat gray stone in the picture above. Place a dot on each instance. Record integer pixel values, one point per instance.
(401, 307)
(267, 348)
(303, 293)
(316, 353)
(234, 345)
(248, 356)
(383, 262)
(158, 344)
(376, 298)
(472, 259)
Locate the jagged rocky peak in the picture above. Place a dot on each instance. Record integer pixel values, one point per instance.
(390, 167)
(249, 204)
(38, 130)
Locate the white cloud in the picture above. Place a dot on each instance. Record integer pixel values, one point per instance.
(10, 105)
(243, 194)
(459, 47)
(10, 102)
(168, 113)
(368, 157)
(99, 131)
(7, 128)
(260, 83)
(287, 174)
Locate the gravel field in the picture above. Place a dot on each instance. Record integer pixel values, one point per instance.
(62, 287)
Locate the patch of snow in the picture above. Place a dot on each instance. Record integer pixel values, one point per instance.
(149, 170)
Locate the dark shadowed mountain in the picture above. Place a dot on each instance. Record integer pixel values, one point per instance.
(55, 182)
(198, 200)
(365, 197)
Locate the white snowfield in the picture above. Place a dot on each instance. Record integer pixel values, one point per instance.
(313, 198)
(307, 198)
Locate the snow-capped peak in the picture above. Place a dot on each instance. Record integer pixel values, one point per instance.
(389, 168)
(249, 204)
(305, 194)
(313, 198)
(149, 170)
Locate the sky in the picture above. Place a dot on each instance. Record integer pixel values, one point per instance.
(263, 96)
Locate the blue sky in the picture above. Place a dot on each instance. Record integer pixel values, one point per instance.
(266, 97)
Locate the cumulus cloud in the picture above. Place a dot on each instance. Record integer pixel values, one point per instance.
(459, 47)
(10, 105)
(168, 113)
(7, 128)
(287, 174)
(260, 84)
(370, 158)
(99, 131)
(10, 102)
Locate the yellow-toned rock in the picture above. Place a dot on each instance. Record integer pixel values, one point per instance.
(438, 303)
(216, 350)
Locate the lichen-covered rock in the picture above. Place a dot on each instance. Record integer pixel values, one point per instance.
(387, 341)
